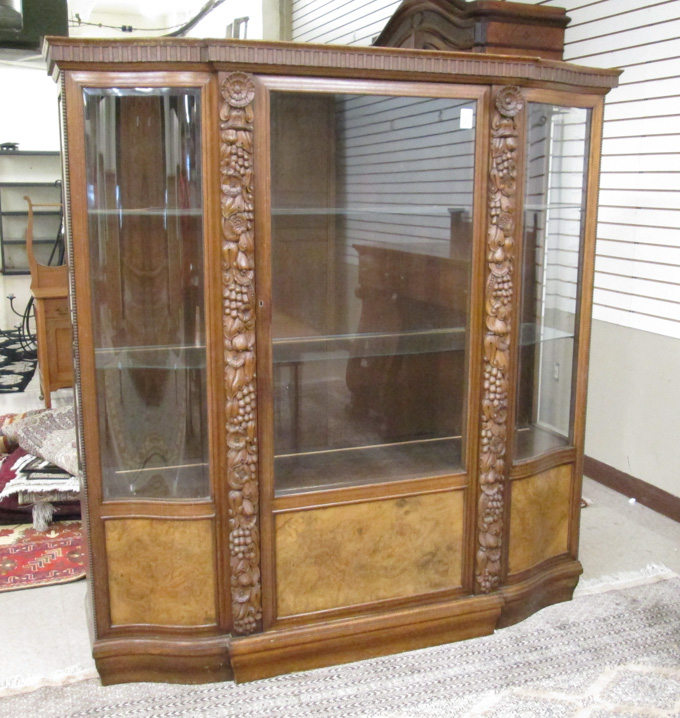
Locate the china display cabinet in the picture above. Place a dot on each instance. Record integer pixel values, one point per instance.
(331, 313)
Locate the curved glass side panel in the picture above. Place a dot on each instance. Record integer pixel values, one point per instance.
(371, 241)
(554, 218)
(145, 215)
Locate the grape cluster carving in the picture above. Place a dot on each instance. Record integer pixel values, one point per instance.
(498, 307)
(238, 320)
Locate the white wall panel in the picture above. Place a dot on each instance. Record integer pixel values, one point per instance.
(632, 90)
(641, 126)
(639, 216)
(591, 11)
(664, 106)
(666, 181)
(666, 236)
(644, 145)
(344, 22)
(644, 217)
(638, 250)
(597, 43)
(648, 199)
(637, 71)
(593, 54)
(621, 22)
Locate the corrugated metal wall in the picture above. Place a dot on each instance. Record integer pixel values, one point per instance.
(638, 251)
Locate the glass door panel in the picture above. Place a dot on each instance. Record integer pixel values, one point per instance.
(554, 223)
(145, 215)
(371, 247)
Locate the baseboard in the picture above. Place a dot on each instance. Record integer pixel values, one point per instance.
(648, 495)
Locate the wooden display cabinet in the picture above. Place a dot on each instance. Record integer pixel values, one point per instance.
(332, 313)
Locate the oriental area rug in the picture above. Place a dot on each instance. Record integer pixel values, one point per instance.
(31, 558)
(607, 653)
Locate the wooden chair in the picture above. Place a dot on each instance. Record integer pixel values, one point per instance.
(49, 287)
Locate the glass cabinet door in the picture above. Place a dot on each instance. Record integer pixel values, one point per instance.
(371, 202)
(145, 224)
(554, 225)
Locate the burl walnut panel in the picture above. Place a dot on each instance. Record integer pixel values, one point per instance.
(161, 572)
(347, 555)
(539, 518)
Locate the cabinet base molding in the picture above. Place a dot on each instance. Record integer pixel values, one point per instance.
(315, 646)
(166, 660)
(301, 648)
(539, 590)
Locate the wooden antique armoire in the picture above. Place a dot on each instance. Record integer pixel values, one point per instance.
(332, 311)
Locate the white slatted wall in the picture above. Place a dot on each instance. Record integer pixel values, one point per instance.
(637, 281)
(638, 250)
(398, 183)
(340, 22)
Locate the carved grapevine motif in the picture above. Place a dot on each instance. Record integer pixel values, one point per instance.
(498, 307)
(238, 292)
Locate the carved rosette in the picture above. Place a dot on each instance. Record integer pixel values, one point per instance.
(238, 292)
(497, 317)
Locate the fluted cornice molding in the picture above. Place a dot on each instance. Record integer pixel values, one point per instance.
(307, 59)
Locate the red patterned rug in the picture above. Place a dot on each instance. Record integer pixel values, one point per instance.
(30, 558)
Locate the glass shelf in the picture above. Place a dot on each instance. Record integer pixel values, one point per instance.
(400, 209)
(300, 473)
(23, 242)
(176, 357)
(535, 334)
(187, 480)
(307, 349)
(547, 207)
(36, 213)
(147, 212)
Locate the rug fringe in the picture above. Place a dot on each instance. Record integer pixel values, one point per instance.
(67, 676)
(649, 574)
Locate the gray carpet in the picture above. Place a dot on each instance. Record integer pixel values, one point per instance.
(604, 654)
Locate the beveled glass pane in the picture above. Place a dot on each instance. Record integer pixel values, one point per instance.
(371, 243)
(143, 158)
(554, 217)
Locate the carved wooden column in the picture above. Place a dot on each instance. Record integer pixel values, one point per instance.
(238, 292)
(498, 304)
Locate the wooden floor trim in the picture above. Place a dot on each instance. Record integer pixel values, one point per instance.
(648, 495)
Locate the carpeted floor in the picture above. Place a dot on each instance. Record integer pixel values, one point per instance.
(604, 654)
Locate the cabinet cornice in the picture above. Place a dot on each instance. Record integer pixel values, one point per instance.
(310, 59)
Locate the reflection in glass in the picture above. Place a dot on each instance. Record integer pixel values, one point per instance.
(143, 157)
(557, 148)
(371, 241)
